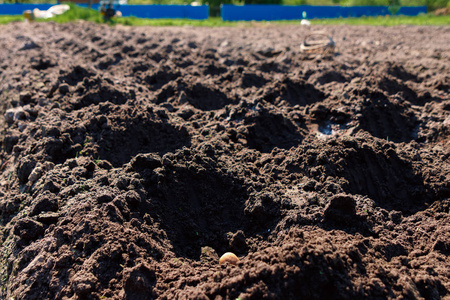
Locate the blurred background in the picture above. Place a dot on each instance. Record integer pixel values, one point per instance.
(431, 4)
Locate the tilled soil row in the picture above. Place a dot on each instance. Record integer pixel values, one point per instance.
(132, 158)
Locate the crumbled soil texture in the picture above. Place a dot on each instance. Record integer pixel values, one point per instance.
(133, 158)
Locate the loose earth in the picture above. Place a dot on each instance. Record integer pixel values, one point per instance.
(133, 158)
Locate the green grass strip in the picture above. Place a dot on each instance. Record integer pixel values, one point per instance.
(9, 19)
(80, 13)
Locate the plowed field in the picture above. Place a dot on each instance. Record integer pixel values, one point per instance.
(133, 158)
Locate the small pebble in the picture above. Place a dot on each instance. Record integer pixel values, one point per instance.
(230, 258)
(64, 88)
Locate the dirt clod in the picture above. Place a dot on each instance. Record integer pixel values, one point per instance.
(341, 209)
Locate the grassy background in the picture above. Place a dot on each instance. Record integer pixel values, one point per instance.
(8, 19)
(80, 13)
(432, 4)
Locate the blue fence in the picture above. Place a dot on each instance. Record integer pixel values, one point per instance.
(412, 10)
(18, 9)
(237, 12)
(200, 12)
(285, 12)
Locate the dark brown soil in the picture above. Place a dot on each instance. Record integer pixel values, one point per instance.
(132, 158)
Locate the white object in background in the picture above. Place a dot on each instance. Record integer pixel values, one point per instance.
(41, 14)
(58, 9)
(305, 22)
(45, 14)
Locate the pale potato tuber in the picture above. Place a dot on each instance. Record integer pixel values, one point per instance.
(230, 258)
